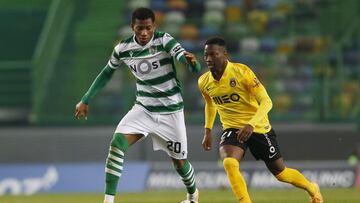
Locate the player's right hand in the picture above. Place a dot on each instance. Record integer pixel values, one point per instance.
(244, 134)
(206, 142)
(81, 110)
(190, 58)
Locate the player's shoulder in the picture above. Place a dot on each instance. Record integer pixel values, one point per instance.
(159, 34)
(240, 68)
(204, 79)
(124, 44)
(127, 40)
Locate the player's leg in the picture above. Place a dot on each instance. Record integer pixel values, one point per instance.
(187, 174)
(232, 151)
(114, 162)
(171, 138)
(265, 147)
(134, 126)
(294, 177)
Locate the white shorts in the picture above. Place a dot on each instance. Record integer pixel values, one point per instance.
(168, 131)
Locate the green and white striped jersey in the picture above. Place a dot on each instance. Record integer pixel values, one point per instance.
(158, 89)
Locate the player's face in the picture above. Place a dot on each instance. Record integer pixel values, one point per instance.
(144, 30)
(215, 57)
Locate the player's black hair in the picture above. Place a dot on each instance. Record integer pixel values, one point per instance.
(216, 40)
(142, 14)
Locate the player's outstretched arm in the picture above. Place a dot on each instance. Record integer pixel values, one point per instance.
(265, 106)
(210, 114)
(190, 61)
(81, 109)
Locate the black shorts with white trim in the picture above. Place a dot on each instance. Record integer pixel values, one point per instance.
(262, 146)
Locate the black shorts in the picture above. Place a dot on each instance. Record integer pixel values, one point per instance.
(262, 146)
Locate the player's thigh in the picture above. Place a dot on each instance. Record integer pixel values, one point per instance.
(170, 135)
(230, 145)
(264, 146)
(136, 122)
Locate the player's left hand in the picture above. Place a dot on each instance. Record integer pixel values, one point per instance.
(81, 110)
(190, 57)
(244, 134)
(207, 140)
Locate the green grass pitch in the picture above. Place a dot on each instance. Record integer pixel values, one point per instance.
(206, 196)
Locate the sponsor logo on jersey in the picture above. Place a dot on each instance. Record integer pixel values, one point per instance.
(226, 98)
(145, 67)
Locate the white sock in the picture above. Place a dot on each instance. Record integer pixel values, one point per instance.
(109, 198)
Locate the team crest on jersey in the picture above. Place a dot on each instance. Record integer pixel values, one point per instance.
(152, 50)
(232, 82)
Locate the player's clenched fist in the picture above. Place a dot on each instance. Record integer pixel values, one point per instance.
(81, 110)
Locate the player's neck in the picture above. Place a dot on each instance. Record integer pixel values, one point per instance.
(138, 42)
(218, 73)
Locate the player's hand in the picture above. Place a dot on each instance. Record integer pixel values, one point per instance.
(207, 140)
(190, 58)
(81, 110)
(244, 134)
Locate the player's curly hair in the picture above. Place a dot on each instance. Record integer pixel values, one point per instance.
(216, 40)
(142, 14)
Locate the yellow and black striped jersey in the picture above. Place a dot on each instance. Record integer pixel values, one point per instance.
(236, 98)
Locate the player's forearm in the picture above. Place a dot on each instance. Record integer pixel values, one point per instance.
(191, 67)
(210, 114)
(100, 81)
(264, 108)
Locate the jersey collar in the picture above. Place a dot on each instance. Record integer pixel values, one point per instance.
(146, 45)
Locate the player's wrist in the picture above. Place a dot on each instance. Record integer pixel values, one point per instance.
(85, 100)
(251, 124)
(196, 67)
(207, 131)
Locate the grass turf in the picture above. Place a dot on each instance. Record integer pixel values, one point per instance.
(206, 196)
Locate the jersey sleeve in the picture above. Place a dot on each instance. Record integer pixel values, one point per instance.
(259, 92)
(100, 81)
(252, 82)
(114, 61)
(172, 46)
(210, 108)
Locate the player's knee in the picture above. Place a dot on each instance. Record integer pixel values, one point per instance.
(120, 141)
(179, 163)
(230, 163)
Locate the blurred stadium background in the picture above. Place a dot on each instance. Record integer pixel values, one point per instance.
(306, 52)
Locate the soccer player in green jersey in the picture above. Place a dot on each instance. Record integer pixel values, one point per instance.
(158, 108)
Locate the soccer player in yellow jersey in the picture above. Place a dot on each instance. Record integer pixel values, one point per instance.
(233, 91)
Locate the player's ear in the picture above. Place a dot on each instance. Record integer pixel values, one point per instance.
(226, 54)
(154, 25)
(132, 26)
